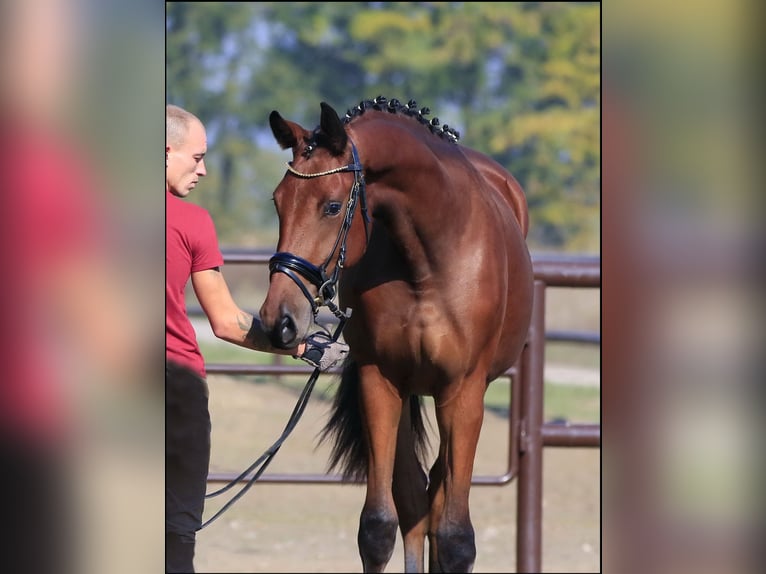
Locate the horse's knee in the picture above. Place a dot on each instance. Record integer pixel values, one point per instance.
(456, 548)
(377, 537)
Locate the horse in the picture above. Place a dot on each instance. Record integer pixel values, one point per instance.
(436, 281)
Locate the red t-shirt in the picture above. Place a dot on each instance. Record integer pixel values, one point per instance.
(191, 245)
(50, 211)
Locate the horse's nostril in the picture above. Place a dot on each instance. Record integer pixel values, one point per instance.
(287, 331)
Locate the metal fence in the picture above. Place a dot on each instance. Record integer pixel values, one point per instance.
(528, 433)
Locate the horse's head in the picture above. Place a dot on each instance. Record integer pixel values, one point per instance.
(315, 203)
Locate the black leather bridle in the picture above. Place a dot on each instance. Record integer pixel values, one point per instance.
(292, 265)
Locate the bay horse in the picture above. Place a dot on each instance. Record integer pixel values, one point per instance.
(437, 275)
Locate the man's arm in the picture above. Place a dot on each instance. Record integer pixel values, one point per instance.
(234, 325)
(227, 320)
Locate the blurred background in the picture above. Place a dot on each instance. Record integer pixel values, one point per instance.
(81, 399)
(682, 307)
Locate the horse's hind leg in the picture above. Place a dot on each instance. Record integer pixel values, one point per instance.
(436, 496)
(452, 545)
(410, 496)
(381, 407)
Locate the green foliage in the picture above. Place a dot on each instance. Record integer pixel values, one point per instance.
(519, 81)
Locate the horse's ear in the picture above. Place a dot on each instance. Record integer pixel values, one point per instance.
(332, 127)
(285, 132)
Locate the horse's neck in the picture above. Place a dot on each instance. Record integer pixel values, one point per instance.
(405, 230)
(421, 218)
(415, 196)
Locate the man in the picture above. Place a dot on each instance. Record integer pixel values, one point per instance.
(192, 251)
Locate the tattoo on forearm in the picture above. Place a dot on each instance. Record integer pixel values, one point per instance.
(245, 321)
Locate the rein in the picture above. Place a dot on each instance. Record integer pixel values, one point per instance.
(291, 265)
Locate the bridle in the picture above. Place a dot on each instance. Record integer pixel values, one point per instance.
(292, 265)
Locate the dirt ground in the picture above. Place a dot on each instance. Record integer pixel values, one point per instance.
(312, 528)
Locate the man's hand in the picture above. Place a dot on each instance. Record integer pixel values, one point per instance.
(321, 351)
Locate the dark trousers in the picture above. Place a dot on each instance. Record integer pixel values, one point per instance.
(39, 528)
(187, 460)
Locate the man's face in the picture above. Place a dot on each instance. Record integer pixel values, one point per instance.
(185, 163)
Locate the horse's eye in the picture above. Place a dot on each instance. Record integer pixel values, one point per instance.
(332, 208)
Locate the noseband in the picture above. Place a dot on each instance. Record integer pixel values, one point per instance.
(292, 265)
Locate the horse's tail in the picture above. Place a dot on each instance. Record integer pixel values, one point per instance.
(349, 450)
(349, 447)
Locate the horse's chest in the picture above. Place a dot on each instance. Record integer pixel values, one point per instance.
(414, 338)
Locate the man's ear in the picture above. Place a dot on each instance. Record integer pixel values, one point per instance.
(167, 150)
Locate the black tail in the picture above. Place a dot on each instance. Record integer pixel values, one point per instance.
(349, 450)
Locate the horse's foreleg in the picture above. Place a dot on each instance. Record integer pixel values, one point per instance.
(381, 407)
(460, 421)
(410, 496)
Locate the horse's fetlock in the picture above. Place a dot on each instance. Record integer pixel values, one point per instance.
(457, 549)
(377, 536)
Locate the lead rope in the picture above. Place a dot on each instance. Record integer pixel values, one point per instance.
(265, 459)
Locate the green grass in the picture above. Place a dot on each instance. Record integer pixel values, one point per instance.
(573, 403)
(573, 354)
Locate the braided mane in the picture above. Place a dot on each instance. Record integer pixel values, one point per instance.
(394, 106)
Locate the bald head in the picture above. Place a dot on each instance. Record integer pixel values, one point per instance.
(177, 124)
(185, 149)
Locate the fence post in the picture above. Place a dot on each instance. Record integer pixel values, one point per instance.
(530, 487)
